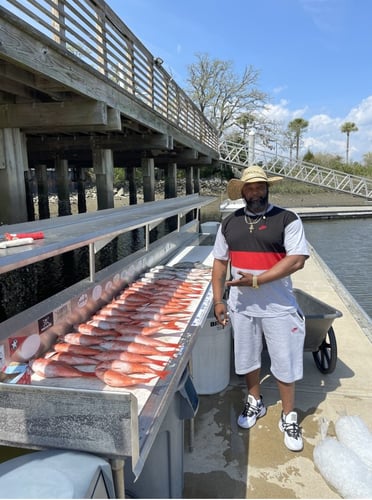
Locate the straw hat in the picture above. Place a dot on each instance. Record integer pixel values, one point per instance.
(253, 173)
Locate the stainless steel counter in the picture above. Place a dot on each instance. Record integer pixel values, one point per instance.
(63, 234)
(132, 418)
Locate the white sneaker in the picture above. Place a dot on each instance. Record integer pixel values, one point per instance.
(292, 431)
(252, 410)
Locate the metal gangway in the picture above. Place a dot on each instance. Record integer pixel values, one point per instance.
(241, 156)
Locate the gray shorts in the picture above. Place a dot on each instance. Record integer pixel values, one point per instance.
(285, 337)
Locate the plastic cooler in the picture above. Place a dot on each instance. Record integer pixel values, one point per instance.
(211, 357)
(56, 474)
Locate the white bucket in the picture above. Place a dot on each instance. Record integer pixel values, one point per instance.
(210, 358)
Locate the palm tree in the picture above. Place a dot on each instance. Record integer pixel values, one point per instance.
(346, 128)
(297, 126)
(244, 121)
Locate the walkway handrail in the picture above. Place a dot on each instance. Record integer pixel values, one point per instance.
(94, 34)
(239, 156)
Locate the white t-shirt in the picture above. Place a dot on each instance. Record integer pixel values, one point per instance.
(270, 299)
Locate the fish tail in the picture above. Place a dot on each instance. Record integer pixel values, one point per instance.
(172, 325)
(163, 374)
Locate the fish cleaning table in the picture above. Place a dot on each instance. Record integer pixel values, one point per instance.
(112, 423)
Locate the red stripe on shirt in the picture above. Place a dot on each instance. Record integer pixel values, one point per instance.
(255, 260)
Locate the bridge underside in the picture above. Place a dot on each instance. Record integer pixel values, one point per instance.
(58, 113)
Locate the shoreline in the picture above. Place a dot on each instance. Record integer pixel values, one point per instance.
(285, 200)
(328, 199)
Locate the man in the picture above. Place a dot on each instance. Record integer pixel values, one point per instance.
(264, 245)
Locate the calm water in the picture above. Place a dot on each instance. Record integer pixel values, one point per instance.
(344, 245)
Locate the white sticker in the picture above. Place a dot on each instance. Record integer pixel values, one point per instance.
(83, 299)
(97, 292)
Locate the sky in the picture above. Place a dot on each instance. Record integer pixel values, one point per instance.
(313, 56)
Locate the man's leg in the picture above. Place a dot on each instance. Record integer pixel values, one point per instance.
(254, 407)
(287, 395)
(288, 419)
(252, 380)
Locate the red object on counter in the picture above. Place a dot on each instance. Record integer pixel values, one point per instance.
(38, 235)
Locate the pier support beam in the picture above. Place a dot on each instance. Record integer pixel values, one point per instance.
(103, 165)
(170, 185)
(190, 190)
(29, 196)
(132, 186)
(170, 191)
(79, 178)
(189, 180)
(63, 187)
(197, 180)
(13, 165)
(43, 191)
(148, 174)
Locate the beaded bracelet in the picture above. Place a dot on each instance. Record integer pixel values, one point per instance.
(219, 302)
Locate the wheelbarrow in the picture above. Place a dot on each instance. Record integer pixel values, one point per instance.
(320, 337)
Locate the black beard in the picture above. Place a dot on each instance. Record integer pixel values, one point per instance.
(257, 206)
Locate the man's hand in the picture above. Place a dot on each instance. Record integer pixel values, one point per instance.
(245, 280)
(220, 313)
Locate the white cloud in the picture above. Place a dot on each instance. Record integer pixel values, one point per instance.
(279, 89)
(281, 112)
(361, 115)
(324, 132)
(326, 15)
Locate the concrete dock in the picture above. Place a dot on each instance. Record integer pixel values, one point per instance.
(229, 462)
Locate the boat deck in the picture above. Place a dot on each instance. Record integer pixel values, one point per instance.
(229, 462)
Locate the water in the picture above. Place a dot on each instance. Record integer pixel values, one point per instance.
(344, 245)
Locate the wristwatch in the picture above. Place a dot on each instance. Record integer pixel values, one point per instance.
(254, 282)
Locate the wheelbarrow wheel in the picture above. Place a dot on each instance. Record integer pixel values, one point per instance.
(326, 356)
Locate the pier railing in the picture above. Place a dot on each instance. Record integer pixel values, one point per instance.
(240, 156)
(94, 34)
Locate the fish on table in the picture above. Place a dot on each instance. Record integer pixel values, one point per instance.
(120, 342)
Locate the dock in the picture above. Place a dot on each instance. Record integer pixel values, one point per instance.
(311, 212)
(342, 212)
(229, 462)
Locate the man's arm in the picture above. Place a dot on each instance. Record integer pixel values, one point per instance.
(285, 267)
(219, 272)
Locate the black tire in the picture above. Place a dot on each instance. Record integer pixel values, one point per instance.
(326, 356)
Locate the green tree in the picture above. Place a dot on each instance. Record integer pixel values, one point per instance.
(347, 128)
(222, 94)
(297, 127)
(309, 156)
(367, 159)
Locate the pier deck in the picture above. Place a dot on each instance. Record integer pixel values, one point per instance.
(229, 462)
